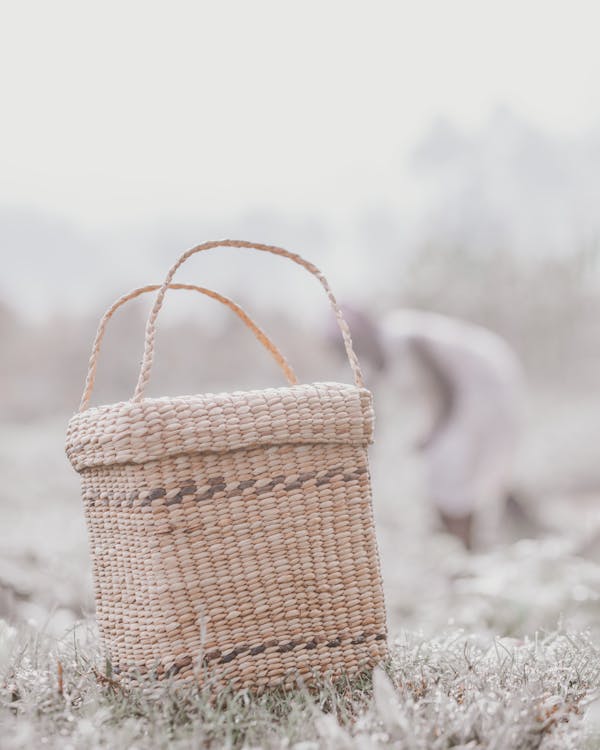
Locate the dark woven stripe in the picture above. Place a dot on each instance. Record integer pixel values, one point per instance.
(285, 647)
(217, 484)
(187, 660)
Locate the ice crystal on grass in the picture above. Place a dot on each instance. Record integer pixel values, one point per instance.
(7, 638)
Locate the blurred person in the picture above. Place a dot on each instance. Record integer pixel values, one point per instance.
(474, 389)
(476, 383)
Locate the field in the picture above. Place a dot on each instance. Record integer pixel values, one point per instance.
(494, 650)
(499, 649)
(451, 691)
(434, 157)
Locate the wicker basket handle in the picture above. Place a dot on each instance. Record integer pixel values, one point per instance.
(258, 332)
(144, 375)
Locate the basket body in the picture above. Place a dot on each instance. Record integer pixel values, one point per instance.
(232, 535)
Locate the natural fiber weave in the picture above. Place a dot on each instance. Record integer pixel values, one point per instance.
(232, 535)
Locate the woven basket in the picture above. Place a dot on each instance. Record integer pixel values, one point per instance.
(232, 535)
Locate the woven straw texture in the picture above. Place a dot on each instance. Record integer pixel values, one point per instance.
(232, 534)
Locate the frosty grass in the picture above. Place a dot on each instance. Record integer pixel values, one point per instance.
(452, 691)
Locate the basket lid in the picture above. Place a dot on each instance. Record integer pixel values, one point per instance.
(153, 428)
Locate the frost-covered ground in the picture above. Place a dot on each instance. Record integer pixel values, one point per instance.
(499, 649)
(455, 690)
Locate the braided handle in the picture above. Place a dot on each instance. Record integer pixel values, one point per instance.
(258, 332)
(144, 375)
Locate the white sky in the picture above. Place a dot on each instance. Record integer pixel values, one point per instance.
(128, 111)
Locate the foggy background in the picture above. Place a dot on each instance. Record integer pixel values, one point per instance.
(433, 155)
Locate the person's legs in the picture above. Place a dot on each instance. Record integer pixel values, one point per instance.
(459, 526)
(449, 465)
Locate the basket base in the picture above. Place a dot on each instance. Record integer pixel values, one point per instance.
(268, 667)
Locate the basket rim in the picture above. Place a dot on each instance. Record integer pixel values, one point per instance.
(217, 394)
(157, 427)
